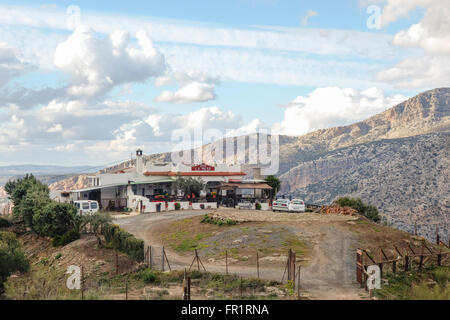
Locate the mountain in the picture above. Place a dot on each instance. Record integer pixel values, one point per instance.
(397, 160)
(406, 179)
(46, 173)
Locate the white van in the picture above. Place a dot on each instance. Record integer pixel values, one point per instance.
(86, 207)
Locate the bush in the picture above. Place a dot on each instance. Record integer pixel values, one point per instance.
(4, 223)
(55, 219)
(177, 206)
(258, 206)
(124, 241)
(369, 211)
(68, 237)
(217, 221)
(12, 257)
(148, 276)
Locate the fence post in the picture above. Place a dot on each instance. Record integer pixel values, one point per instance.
(439, 258)
(117, 262)
(82, 282)
(226, 262)
(359, 267)
(126, 289)
(437, 236)
(240, 288)
(150, 257)
(162, 259)
(298, 283)
(257, 263)
(394, 266)
(406, 262)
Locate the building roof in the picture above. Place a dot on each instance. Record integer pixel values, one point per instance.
(195, 174)
(246, 185)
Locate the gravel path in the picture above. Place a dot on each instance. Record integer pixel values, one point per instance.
(329, 274)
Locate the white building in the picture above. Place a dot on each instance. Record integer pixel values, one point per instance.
(125, 188)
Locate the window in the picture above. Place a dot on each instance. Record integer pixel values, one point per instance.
(94, 205)
(85, 206)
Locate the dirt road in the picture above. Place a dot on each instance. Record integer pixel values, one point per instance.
(329, 274)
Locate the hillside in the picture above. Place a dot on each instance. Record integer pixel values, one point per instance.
(407, 179)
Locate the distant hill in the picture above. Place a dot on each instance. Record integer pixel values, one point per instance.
(46, 173)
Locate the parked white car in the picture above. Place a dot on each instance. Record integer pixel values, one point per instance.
(281, 205)
(86, 207)
(297, 205)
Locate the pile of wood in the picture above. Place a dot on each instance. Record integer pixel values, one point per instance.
(338, 210)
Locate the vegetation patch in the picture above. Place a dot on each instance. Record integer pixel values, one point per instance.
(218, 221)
(432, 283)
(367, 210)
(123, 241)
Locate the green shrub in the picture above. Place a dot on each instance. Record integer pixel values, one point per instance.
(68, 237)
(177, 206)
(12, 257)
(369, 211)
(124, 241)
(217, 221)
(258, 206)
(55, 219)
(148, 276)
(4, 223)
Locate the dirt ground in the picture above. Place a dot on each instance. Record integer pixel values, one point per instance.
(328, 264)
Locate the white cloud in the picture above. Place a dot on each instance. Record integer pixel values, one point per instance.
(190, 93)
(10, 64)
(313, 41)
(431, 34)
(98, 64)
(57, 128)
(421, 72)
(332, 106)
(159, 127)
(309, 14)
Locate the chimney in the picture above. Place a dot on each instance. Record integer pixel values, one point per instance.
(139, 161)
(257, 174)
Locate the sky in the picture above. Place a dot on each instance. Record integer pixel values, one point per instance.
(87, 83)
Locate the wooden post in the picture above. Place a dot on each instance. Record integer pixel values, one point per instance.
(415, 228)
(439, 258)
(226, 262)
(292, 260)
(162, 258)
(126, 289)
(188, 288)
(437, 235)
(82, 282)
(150, 257)
(394, 266)
(257, 264)
(117, 262)
(298, 283)
(406, 262)
(240, 287)
(198, 260)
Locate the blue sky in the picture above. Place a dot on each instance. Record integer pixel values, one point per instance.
(129, 73)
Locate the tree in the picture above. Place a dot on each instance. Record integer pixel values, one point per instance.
(274, 182)
(20, 191)
(369, 211)
(189, 185)
(55, 219)
(12, 257)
